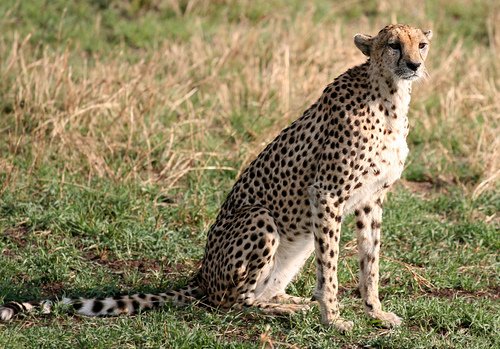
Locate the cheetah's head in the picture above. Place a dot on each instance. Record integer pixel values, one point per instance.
(398, 49)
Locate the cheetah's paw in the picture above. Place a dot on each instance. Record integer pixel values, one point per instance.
(341, 325)
(386, 319)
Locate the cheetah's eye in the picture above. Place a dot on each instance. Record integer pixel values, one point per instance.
(395, 46)
(422, 45)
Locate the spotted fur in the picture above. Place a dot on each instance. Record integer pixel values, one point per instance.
(340, 156)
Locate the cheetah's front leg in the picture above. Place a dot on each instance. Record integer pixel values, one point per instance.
(368, 222)
(326, 221)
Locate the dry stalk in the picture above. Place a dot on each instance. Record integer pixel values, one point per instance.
(419, 279)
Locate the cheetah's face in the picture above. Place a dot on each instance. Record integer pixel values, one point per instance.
(398, 49)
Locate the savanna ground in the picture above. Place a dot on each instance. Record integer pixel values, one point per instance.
(124, 124)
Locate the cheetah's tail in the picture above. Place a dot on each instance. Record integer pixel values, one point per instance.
(109, 306)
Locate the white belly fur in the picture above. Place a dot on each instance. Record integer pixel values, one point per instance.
(390, 164)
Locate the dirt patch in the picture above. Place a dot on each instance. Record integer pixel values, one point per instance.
(17, 234)
(237, 334)
(52, 288)
(426, 189)
(450, 293)
(144, 265)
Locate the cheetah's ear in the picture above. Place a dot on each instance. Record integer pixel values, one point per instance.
(428, 34)
(364, 43)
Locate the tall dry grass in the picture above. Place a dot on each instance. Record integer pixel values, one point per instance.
(171, 113)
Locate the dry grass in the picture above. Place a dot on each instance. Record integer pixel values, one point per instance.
(173, 111)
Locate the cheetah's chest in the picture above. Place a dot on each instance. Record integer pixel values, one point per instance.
(385, 169)
(392, 160)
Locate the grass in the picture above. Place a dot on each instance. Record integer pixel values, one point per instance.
(124, 124)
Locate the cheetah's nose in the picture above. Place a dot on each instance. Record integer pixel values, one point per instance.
(413, 66)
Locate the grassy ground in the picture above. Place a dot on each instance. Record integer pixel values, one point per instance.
(124, 124)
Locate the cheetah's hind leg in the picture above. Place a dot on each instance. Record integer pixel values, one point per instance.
(284, 304)
(285, 298)
(275, 308)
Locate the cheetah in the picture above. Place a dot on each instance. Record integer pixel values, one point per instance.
(340, 157)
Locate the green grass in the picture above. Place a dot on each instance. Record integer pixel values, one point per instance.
(108, 239)
(123, 125)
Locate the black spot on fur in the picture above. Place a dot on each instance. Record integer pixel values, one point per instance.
(136, 306)
(120, 304)
(14, 306)
(97, 306)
